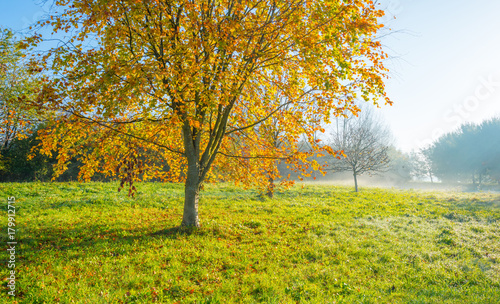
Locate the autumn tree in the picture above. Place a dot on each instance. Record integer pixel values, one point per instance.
(181, 81)
(281, 136)
(364, 141)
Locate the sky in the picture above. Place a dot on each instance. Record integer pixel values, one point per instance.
(444, 63)
(447, 67)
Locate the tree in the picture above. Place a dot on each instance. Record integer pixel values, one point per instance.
(488, 149)
(274, 135)
(400, 166)
(180, 81)
(17, 85)
(18, 121)
(469, 153)
(18, 168)
(364, 141)
(421, 164)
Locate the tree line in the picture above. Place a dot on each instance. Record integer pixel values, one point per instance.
(470, 154)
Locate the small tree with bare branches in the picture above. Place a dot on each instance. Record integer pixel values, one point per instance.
(364, 140)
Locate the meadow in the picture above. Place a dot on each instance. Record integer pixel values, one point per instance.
(87, 243)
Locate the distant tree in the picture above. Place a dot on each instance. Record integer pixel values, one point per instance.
(17, 85)
(471, 153)
(494, 169)
(420, 165)
(400, 166)
(365, 143)
(19, 167)
(445, 162)
(489, 153)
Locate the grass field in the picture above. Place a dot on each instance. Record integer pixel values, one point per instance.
(86, 243)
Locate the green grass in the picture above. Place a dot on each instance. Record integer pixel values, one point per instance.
(86, 243)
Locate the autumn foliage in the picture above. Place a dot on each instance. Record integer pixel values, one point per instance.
(190, 91)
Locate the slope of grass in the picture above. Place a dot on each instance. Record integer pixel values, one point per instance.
(86, 243)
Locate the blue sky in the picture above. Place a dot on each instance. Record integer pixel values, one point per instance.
(18, 14)
(446, 71)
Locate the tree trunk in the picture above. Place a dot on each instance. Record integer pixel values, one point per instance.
(191, 197)
(270, 188)
(355, 181)
(193, 180)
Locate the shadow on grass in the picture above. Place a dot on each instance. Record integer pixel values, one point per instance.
(99, 240)
(177, 231)
(96, 240)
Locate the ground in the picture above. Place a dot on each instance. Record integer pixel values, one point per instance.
(87, 243)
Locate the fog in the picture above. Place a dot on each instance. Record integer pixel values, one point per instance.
(387, 182)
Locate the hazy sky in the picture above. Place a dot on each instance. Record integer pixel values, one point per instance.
(446, 71)
(449, 67)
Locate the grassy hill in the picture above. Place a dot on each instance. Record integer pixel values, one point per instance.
(86, 243)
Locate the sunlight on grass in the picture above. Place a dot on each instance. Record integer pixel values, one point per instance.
(86, 243)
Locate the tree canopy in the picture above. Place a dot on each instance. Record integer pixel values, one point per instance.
(179, 90)
(470, 153)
